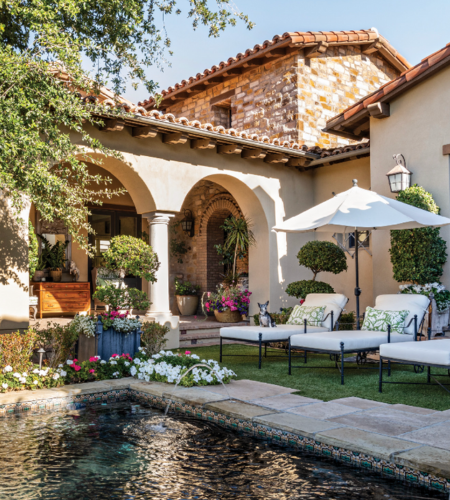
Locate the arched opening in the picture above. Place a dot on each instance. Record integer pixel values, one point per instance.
(211, 200)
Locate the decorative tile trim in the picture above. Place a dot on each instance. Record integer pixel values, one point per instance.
(283, 438)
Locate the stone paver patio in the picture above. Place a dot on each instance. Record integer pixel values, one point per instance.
(415, 437)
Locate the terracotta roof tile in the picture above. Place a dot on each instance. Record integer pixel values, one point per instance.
(407, 76)
(297, 37)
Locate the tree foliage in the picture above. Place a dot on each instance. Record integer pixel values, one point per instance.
(300, 289)
(43, 47)
(130, 255)
(322, 256)
(33, 250)
(239, 237)
(418, 255)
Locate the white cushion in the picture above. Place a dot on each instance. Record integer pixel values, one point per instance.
(352, 339)
(281, 332)
(33, 301)
(332, 301)
(415, 304)
(436, 352)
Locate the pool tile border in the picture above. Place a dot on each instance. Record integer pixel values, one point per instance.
(248, 427)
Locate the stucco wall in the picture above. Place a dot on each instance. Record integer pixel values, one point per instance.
(337, 178)
(159, 177)
(14, 311)
(418, 128)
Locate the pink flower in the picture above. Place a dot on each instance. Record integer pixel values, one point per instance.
(209, 294)
(92, 371)
(76, 368)
(93, 359)
(75, 360)
(187, 352)
(114, 355)
(301, 301)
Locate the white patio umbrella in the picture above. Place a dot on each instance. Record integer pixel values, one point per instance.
(360, 210)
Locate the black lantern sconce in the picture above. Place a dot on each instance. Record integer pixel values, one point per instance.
(399, 177)
(187, 224)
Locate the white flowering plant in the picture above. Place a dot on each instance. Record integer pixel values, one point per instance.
(84, 325)
(169, 367)
(441, 294)
(31, 379)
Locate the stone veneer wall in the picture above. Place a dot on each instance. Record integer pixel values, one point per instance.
(210, 204)
(292, 97)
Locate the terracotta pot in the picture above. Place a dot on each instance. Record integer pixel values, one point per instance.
(187, 304)
(56, 275)
(38, 275)
(228, 316)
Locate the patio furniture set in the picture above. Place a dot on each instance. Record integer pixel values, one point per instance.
(396, 342)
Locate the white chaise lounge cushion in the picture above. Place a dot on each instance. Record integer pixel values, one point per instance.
(435, 352)
(352, 339)
(332, 301)
(415, 304)
(281, 332)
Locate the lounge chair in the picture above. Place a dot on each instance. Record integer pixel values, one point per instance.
(430, 354)
(361, 342)
(334, 304)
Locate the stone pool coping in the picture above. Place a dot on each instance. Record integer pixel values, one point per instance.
(355, 431)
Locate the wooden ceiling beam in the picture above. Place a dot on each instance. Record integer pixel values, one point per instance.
(113, 125)
(253, 154)
(214, 80)
(253, 63)
(275, 53)
(174, 138)
(144, 132)
(202, 144)
(316, 50)
(276, 158)
(298, 162)
(379, 110)
(229, 149)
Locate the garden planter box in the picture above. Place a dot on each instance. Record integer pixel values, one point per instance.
(110, 342)
(439, 320)
(187, 304)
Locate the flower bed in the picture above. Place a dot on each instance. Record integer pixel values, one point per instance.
(168, 367)
(162, 367)
(441, 295)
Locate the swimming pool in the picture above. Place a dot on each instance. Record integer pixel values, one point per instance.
(113, 452)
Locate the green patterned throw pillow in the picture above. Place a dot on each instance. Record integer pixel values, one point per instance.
(313, 315)
(377, 320)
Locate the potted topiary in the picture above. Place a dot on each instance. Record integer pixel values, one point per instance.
(130, 255)
(187, 297)
(319, 256)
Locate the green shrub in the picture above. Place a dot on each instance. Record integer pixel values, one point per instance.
(16, 349)
(153, 337)
(33, 250)
(322, 256)
(279, 318)
(122, 298)
(347, 321)
(185, 288)
(418, 255)
(60, 339)
(130, 255)
(300, 289)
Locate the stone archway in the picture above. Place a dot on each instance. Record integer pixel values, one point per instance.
(221, 202)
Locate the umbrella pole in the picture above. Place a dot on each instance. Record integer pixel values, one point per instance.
(357, 289)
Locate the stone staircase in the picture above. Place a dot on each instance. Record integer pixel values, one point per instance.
(200, 332)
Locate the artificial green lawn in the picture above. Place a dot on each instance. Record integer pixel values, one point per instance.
(325, 384)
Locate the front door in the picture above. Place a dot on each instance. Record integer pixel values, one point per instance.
(107, 224)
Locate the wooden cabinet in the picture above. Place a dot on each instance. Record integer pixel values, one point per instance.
(62, 297)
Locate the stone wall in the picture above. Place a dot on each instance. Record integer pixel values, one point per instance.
(210, 205)
(291, 98)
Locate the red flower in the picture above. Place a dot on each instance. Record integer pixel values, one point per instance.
(76, 367)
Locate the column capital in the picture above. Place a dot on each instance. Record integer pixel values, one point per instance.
(158, 217)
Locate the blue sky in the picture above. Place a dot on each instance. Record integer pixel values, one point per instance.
(415, 28)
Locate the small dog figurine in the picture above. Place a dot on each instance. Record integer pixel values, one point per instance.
(265, 319)
(74, 271)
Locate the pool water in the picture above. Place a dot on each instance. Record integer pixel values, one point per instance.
(113, 452)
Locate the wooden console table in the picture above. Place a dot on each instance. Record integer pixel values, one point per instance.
(62, 297)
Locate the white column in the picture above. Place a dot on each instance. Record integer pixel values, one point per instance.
(158, 223)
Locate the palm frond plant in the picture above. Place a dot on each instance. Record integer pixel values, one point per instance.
(239, 237)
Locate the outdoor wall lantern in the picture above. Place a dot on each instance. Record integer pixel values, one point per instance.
(187, 224)
(399, 177)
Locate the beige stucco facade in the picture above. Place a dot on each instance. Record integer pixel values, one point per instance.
(418, 127)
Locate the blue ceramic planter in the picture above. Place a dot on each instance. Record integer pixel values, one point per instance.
(110, 342)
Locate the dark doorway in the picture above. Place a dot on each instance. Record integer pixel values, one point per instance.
(107, 224)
